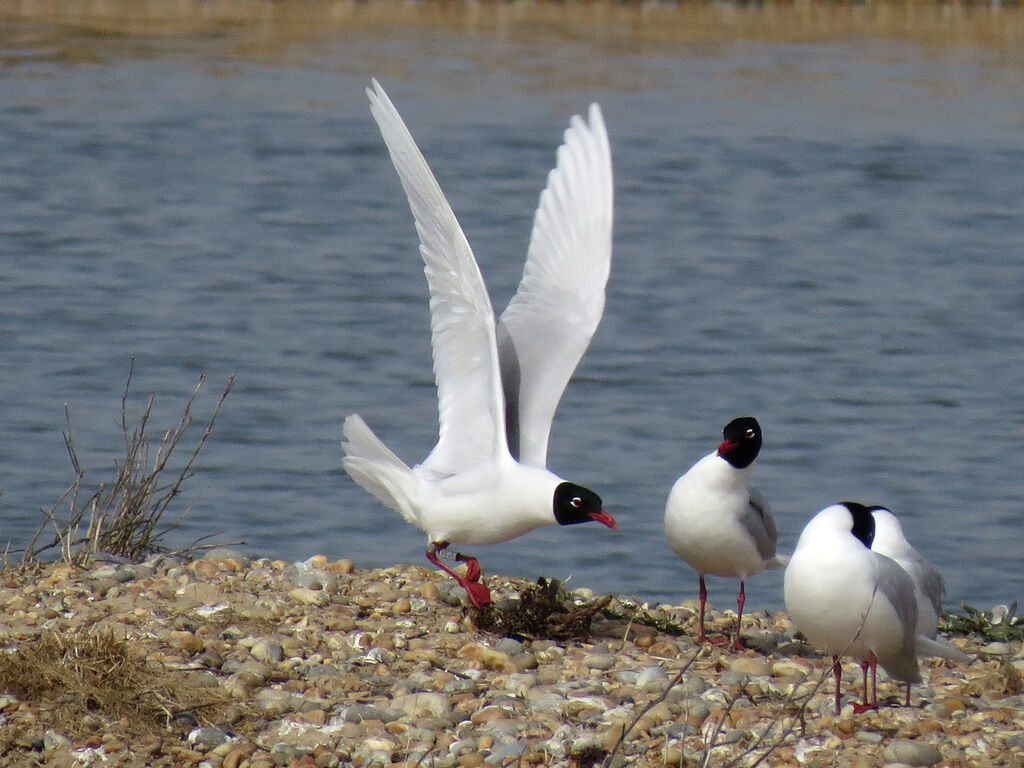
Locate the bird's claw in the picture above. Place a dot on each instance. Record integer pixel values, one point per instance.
(473, 571)
(478, 594)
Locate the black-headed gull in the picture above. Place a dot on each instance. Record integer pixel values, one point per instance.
(716, 523)
(485, 481)
(929, 586)
(847, 599)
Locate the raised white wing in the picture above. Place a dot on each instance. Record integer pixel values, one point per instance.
(547, 326)
(470, 402)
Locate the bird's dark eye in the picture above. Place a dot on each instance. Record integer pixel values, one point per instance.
(750, 434)
(576, 502)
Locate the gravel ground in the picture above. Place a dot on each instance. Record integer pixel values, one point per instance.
(226, 662)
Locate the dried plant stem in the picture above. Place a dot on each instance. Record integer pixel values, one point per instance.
(649, 706)
(122, 518)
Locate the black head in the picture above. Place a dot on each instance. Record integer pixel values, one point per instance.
(742, 442)
(576, 504)
(863, 522)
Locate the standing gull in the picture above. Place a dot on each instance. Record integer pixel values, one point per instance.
(498, 383)
(847, 599)
(716, 523)
(929, 586)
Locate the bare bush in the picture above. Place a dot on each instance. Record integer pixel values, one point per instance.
(125, 517)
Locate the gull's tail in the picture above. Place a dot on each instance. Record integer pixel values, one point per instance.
(375, 467)
(939, 647)
(775, 561)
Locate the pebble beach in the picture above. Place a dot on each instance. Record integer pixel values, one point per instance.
(232, 662)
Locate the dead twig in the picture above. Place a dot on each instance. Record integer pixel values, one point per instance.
(123, 518)
(649, 706)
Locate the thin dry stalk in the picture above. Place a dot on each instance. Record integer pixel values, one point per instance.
(649, 706)
(759, 743)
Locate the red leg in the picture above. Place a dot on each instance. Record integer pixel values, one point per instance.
(837, 670)
(702, 638)
(870, 702)
(874, 681)
(477, 593)
(703, 594)
(741, 600)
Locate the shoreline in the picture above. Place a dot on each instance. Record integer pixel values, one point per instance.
(227, 662)
(265, 26)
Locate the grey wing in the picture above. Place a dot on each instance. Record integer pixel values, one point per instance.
(931, 582)
(548, 324)
(896, 586)
(761, 525)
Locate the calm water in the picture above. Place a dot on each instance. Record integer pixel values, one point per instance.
(828, 236)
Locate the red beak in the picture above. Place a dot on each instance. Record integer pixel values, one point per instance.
(605, 519)
(725, 446)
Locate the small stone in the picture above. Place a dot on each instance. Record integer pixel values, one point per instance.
(111, 574)
(308, 596)
(869, 737)
(379, 742)
(273, 700)
(239, 561)
(326, 760)
(509, 646)
(750, 665)
(203, 569)
(915, 753)
(664, 648)
(998, 649)
(601, 661)
(321, 672)
(267, 649)
(548, 675)
(53, 740)
(203, 679)
(206, 739)
(309, 576)
(235, 757)
(283, 754)
(419, 705)
(359, 713)
(489, 715)
(429, 591)
(342, 567)
(487, 657)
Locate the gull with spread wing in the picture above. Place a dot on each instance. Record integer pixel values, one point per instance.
(498, 381)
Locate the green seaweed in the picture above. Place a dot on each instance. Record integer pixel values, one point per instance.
(640, 615)
(977, 623)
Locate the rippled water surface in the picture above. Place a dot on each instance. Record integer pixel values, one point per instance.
(826, 233)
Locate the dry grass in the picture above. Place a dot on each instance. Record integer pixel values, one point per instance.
(124, 517)
(93, 682)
